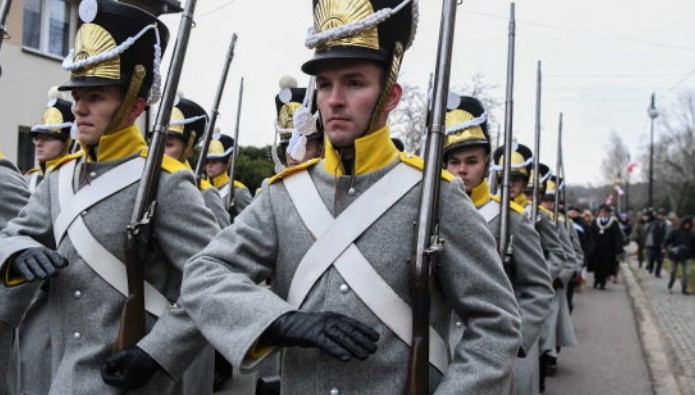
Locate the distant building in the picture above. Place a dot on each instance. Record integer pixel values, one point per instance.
(42, 33)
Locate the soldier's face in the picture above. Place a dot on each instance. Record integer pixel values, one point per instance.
(48, 148)
(517, 183)
(548, 203)
(347, 93)
(94, 108)
(174, 147)
(468, 164)
(215, 167)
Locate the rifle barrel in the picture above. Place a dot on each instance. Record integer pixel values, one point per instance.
(428, 244)
(235, 152)
(210, 127)
(537, 147)
(503, 242)
(558, 165)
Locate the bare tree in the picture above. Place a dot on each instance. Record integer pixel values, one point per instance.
(674, 154)
(407, 121)
(617, 158)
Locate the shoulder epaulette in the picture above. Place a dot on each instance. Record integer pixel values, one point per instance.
(239, 184)
(419, 163)
(31, 171)
(293, 169)
(66, 159)
(513, 205)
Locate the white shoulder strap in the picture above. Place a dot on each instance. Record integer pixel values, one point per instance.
(99, 189)
(104, 264)
(490, 210)
(335, 246)
(224, 191)
(33, 181)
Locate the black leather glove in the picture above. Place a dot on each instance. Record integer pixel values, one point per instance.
(334, 333)
(557, 284)
(37, 263)
(129, 369)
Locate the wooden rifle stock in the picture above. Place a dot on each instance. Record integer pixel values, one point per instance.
(210, 126)
(132, 325)
(428, 245)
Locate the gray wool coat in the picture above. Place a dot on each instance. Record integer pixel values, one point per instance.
(268, 240)
(534, 293)
(84, 308)
(14, 195)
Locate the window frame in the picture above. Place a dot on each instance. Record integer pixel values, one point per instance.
(45, 29)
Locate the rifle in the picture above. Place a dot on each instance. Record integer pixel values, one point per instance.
(210, 127)
(132, 326)
(558, 164)
(536, 149)
(229, 203)
(504, 244)
(4, 11)
(428, 245)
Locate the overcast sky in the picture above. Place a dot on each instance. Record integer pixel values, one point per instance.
(601, 59)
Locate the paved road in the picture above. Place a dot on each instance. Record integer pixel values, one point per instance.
(609, 358)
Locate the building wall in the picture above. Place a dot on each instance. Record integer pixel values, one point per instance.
(24, 84)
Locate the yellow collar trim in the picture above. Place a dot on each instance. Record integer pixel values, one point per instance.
(521, 200)
(2, 155)
(221, 180)
(50, 164)
(372, 152)
(119, 144)
(481, 194)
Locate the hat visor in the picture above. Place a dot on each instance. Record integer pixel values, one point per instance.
(63, 135)
(89, 82)
(467, 143)
(345, 53)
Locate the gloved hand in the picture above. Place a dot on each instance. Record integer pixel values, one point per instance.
(37, 263)
(557, 284)
(129, 369)
(334, 333)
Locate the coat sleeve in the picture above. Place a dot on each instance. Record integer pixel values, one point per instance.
(577, 246)
(569, 264)
(14, 193)
(219, 284)
(242, 198)
(550, 242)
(183, 226)
(533, 286)
(214, 202)
(474, 282)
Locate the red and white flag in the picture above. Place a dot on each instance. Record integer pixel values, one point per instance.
(631, 167)
(619, 190)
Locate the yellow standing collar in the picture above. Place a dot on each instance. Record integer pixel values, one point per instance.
(118, 145)
(481, 194)
(372, 152)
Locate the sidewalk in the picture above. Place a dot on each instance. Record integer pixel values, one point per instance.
(674, 316)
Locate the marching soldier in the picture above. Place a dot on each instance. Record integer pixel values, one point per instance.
(186, 127)
(73, 229)
(14, 195)
(218, 161)
(31, 354)
(573, 242)
(467, 156)
(287, 102)
(558, 330)
(335, 235)
(52, 140)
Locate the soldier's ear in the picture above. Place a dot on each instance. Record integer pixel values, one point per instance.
(138, 108)
(394, 97)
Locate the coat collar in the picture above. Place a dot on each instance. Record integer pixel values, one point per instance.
(372, 152)
(117, 145)
(221, 180)
(481, 194)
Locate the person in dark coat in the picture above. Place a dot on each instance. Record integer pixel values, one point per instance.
(680, 246)
(608, 244)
